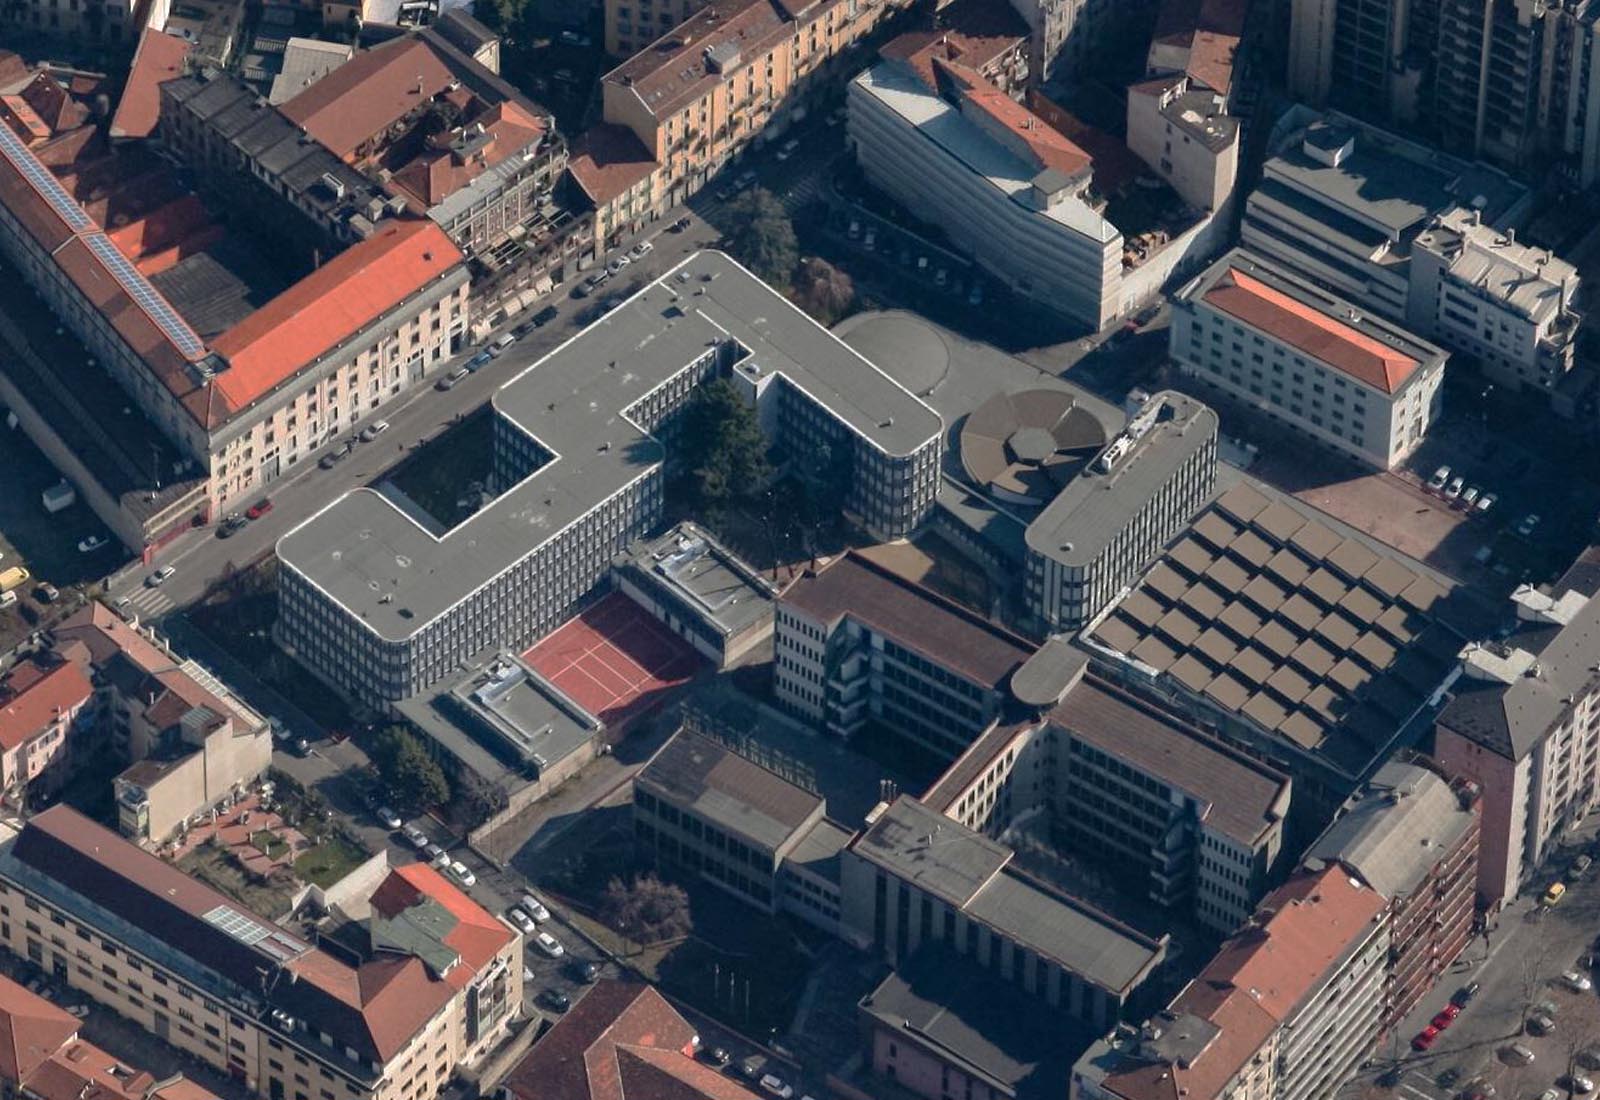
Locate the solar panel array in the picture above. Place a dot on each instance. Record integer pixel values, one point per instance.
(1272, 614)
(157, 308)
(44, 182)
(137, 287)
(253, 932)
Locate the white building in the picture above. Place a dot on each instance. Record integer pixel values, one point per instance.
(1184, 133)
(1357, 384)
(1010, 190)
(1481, 292)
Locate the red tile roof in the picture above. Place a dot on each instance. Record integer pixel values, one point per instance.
(607, 160)
(1210, 30)
(477, 937)
(31, 1030)
(58, 691)
(623, 1041)
(1115, 165)
(159, 58)
(436, 173)
(330, 305)
(1048, 147)
(373, 90)
(1310, 330)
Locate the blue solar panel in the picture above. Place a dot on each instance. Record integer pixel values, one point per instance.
(46, 184)
(148, 298)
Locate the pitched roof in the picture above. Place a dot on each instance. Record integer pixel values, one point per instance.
(31, 1030)
(370, 92)
(1048, 147)
(607, 160)
(919, 618)
(1312, 331)
(160, 57)
(476, 936)
(330, 305)
(622, 1041)
(678, 69)
(45, 698)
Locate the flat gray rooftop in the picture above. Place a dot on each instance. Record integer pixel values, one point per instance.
(1110, 492)
(729, 791)
(969, 871)
(365, 554)
(705, 577)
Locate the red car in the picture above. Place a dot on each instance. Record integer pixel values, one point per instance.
(1425, 1038)
(259, 508)
(1446, 1017)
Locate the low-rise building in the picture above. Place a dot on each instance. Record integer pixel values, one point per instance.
(1520, 724)
(915, 878)
(1356, 384)
(1117, 512)
(437, 987)
(43, 705)
(622, 1041)
(1184, 133)
(192, 743)
(44, 1058)
(1287, 1009)
(1412, 836)
(700, 590)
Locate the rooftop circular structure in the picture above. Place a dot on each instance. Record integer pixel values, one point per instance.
(1023, 447)
(911, 352)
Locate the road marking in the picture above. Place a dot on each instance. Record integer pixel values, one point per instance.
(150, 602)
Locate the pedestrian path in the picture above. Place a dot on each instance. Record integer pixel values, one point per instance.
(147, 603)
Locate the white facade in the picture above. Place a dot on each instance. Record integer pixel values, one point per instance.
(1335, 1025)
(1046, 242)
(1359, 386)
(1187, 138)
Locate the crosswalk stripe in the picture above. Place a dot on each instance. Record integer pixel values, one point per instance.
(150, 601)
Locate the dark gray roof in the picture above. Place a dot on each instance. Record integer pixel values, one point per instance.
(700, 578)
(366, 555)
(724, 788)
(969, 1016)
(818, 851)
(1106, 496)
(1395, 829)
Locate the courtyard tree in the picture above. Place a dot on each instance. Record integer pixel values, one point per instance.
(415, 777)
(723, 452)
(763, 237)
(646, 909)
(824, 291)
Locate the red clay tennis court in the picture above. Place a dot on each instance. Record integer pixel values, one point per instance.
(614, 660)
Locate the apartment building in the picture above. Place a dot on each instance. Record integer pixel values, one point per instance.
(916, 878)
(1369, 57)
(1183, 131)
(293, 1021)
(621, 180)
(1066, 32)
(44, 704)
(113, 22)
(1120, 510)
(191, 743)
(730, 71)
(1506, 304)
(45, 1058)
(263, 388)
(1411, 835)
(1342, 204)
(1358, 385)
(1013, 192)
(1170, 813)
(1198, 39)
(1287, 1009)
(632, 25)
(855, 643)
(1522, 723)
(579, 459)
(705, 809)
(1289, 635)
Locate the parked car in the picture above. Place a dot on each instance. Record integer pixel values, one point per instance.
(1485, 502)
(478, 361)
(1550, 1094)
(47, 593)
(1463, 996)
(1554, 895)
(573, 38)
(331, 459)
(1446, 1016)
(1517, 1054)
(617, 263)
(1589, 1058)
(390, 819)
(373, 431)
(641, 250)
(776, 1086)
(1576, 982)
(548, 944)
(1469, 497)
(161, 576)
(1453, 490)
(498, 346)
(93, 543)
(585, 971)
(435, 854)
(1578, 1083)
(1440, 477)
(681, 224)
(1424, 1038)
(520, 919)
(545, 316)
(451, 380)
(534, 908)
(1539, 1024)
(717, 1056)
(462, 873)
(786, 150)
(230, 525)
(1529, 524)
(1579, 866)
(259, 508)
(554, 998)
(415, 837)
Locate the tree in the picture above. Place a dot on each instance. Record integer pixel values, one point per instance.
(407, 769)
(647, 910)
(763, 237)
(723, 452)
(479, 799)
(824, 291)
